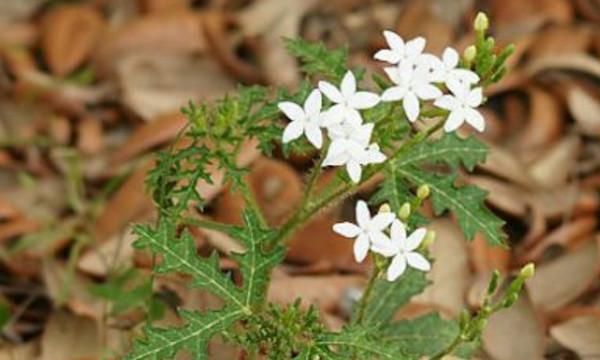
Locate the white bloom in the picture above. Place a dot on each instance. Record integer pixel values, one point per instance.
(402, 249)
(451, 72)
(350, 147)
(366, 230)
(305, 120)
(399, 51)
(462, 106)
(412, 84)
(347, 101)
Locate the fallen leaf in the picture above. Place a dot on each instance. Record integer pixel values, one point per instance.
(585, 109)
(70, 337)
(555, 165)
(580, 334)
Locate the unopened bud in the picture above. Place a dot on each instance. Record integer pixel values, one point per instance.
(481, 22)
(527, 271)
(404, 212)
(429, 239)
(385, 208)
(423, 191)
(469, 54)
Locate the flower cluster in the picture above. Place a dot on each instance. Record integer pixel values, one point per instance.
(416, 77)
(370, 234)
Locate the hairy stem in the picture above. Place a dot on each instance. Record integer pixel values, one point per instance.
(364, 299)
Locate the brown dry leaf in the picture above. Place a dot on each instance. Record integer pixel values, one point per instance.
(450, 274)
(545, 123)
(418, 18)
(516, 17)
(583, 63)
(70, 337)
(515, 333)
(580, 334)
(486, 258)
(112, 254)
(502, 195)
(504, 163)
(558, 40)
(27, 351)
(585, 108)
(90, 140)
(159, 84)
(17, 10)
(554, 166)
(562, 280)
(161, 6)
(69, 35)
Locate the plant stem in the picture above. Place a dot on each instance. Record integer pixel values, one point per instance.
(449, 350)
(364, 299)
(208, 224)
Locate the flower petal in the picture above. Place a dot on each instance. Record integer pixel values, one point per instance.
(465, 76)
(475, 97)
(364, 100)
(293, 131)
(396, 268)
(329, 90)
(418, 261)
(450, 58)
(361, 247)
(394, 74)
(363, 216)
(455, 120)
(394, 41)
(291, 110)
(398, 233)
(336, 154)
(353, 117)
(347, 229)
(348, 86)
(475, 119)
(374, 155)
(312, 105)
(427, 91)
(414, 240)
(458, 88)
(313, 134)
(334, 115)
(354, 170)
(415, 46)
(386, 249)
(394, 93)
(387, 55)
(411, 106)
(447, 102)
(382, 220)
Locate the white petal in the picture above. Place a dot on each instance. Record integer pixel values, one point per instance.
(354, 171)
(382, 220)
(292, 110)
(418, 261)
(396, 268)
(293, 131)
(447, 102)
(475, 119)
(355, 150)
(450, 58)
(394, 41)
(334, 115)
(312, 105)
(374, 156)
(394, 74)
(378, 237)
(361, 247)
(411, 106)
(398, 232)
(363, 216)
(415, 46)
(394, 93)
(348, 86)
(331, 91)
(313, 134)
(364, 100)
(475, 97)
(455, 120)
(336, 153)
(465, 76)
(386, 249)
(427, 91)
(459, 89)
(347, 229)
(387, 55)
(353, 117)
(415, 239)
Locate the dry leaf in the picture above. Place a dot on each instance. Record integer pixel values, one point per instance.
(559, 40)
(585, 109)
(554, 167)
(580, 334)
(69, 34)
(70, 337)
(502, 195)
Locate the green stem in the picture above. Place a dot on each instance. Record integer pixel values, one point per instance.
(364, 299)
(208, 224)
(450, 349)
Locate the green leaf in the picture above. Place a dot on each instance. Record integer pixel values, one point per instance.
(387, 297)
(423, 336)
(450, 149)
(360, 340)
(179, 255)
(255, 264)
(466, 202)
(160, 344)
(316, 59)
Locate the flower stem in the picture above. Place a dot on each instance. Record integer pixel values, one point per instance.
(364, 299)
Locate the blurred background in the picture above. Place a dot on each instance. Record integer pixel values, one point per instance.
(90, 89)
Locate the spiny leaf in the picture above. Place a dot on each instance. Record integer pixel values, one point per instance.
(450, 150)
(160, 344)
(317, 59)
(360, 340)
(466, 202)
(387, 297)
(179, 255)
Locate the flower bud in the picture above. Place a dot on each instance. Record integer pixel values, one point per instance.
(481, 22)
(423, 191)
(385, 208)
(429, 239)
(527, 271)
(469, 54)
(404, 212)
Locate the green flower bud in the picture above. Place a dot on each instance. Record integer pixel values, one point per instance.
(385, 208)
(423, 191)
(482, 23)
(527, 271)
(429, 239)
(404, 212)
(469, 54)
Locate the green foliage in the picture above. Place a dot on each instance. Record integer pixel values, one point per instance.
(316, 59)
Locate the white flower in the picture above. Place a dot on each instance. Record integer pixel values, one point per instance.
(412, 84)
(307, 120)
(366, 230)
(347, 101)
(400, 52)
(350, 147)
(451, 72)
(462, 106)
(402, 249)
